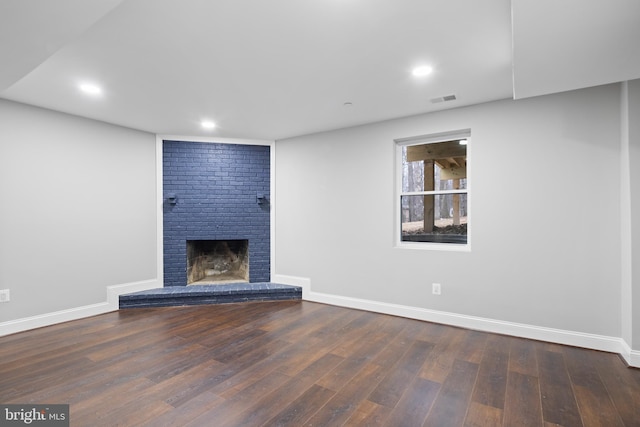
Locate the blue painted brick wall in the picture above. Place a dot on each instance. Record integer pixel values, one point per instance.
(216, 188)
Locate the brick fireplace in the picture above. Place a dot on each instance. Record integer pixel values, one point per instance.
(215, 192)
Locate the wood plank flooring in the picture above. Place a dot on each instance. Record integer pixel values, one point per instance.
(294, 363)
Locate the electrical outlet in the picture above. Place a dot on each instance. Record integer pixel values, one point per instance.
(4, 295)
(435, 287)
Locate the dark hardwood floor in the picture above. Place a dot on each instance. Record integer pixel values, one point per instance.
(298, 363)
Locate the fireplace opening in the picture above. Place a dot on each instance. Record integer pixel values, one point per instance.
(217, 261)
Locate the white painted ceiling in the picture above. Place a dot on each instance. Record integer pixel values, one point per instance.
(280, 68)
(572, 44)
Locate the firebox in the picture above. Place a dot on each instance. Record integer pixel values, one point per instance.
(217, 261)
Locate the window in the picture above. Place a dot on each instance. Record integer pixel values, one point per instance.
(433, 188)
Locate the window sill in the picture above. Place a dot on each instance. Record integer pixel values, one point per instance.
(432, 246)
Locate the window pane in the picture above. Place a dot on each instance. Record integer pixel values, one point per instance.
(450, 179)
(413, 174)
(438, 166)
(434, 218)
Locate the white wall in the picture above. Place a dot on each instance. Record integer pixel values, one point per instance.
(626, 253)
(545, 202)
(77, 210)
(634, 160)
(630, 210)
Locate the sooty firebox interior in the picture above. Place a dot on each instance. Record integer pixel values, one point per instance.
(217, 261)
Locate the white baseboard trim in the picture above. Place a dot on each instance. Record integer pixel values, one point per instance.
(632, 357)
(304, 283)
(47, 319)
(559, 336)
(114, 292)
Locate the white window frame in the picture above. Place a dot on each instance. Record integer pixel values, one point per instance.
(400, 143)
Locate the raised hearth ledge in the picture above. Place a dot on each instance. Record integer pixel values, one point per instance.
(210, 294)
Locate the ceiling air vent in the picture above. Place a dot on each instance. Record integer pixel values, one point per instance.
(443, 99)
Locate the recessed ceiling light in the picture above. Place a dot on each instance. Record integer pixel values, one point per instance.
(207, 124)
(422, 70)
(90, 89)
(347, 104)
(463, 142)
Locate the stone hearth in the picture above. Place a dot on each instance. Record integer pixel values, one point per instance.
(207, 294)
